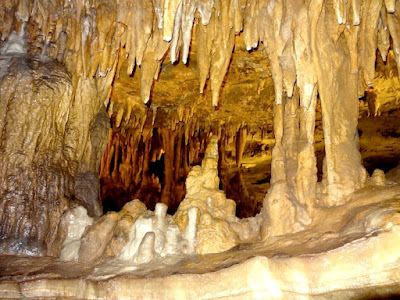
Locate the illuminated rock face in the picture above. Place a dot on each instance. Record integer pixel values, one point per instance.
(49, 153)
(63, 64)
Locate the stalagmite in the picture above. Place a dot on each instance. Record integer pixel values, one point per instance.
(189, 233)
(146, 251)
(74, 222)
(96, 238)
(160, 225)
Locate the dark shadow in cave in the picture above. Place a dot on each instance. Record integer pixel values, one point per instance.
(157, 168)
(149, 188)
(378, 162)
(246, 185)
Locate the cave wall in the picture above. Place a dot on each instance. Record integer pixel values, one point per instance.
(50, 150)
(325, 48)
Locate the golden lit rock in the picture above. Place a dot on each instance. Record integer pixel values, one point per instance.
(135, 133)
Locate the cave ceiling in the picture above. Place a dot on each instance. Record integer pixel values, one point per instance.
(137, 46)
(246, 98)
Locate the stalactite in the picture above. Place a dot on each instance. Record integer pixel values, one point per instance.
(271, 19)
(168, 138)
(221, 56)
(116, 158)
(189, 9)
(368, 38)
(222, 163)
(176, 37)
(383, 35)
(394, 29)
(170, 10)
(204, 52)
(240, 144)
(146, 159)
(286, 52)
(390, 6)
(351, 33)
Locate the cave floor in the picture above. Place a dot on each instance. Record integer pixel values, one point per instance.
(362, 235)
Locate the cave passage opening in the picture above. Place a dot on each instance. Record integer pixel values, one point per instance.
(154, 158)
(152, 166)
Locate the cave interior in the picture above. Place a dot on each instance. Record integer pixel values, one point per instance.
(199, 149)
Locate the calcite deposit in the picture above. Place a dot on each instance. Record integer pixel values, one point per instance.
(199, 149)
(204, 223)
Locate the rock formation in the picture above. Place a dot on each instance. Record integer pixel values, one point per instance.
(204, 223)
(96, 110)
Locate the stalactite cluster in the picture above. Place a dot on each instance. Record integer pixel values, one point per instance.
(93, 38)
(316, 49)
(151, 162)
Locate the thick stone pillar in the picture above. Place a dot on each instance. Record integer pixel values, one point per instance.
(286, 207)
(337, 86)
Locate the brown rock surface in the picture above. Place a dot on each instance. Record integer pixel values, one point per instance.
(48, 152)
(316, 79)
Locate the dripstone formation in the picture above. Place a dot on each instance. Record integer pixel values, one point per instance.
(199, 149)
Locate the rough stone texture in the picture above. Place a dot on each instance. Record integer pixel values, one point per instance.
(53, 127)
(204, 223)
(35, 94)
(340, 258)
(45, 144)
(70, 231)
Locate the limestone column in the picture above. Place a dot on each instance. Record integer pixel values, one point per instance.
(337, 87)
